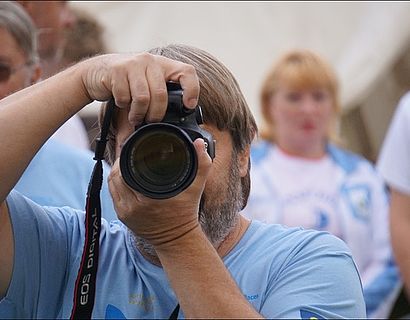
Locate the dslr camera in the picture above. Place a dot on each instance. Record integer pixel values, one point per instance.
(159, 159)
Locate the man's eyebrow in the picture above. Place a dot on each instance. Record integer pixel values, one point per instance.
(5, 59)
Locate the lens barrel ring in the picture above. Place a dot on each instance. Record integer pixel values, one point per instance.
(159, 160)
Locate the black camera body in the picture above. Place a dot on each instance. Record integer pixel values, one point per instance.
(159, 159)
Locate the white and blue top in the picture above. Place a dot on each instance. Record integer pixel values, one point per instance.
(340, 193)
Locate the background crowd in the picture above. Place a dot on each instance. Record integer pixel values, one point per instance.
(304, 173)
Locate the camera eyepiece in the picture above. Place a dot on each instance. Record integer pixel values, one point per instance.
(159, 159)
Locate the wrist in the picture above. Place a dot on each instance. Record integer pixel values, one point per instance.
(186, 238)
(94, 77)
(71, 80)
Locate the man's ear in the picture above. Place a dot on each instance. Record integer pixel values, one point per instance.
(243, 161)
(35, 74)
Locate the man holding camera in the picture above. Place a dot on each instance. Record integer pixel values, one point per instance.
(192, 248)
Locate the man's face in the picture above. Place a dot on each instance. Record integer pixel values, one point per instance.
(52, 18)
(15, 73)
(222, 197)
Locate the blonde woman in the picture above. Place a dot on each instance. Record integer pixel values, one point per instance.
(300, 177)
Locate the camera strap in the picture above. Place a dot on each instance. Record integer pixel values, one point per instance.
(85, 284)
(174, 314)
(84, 290)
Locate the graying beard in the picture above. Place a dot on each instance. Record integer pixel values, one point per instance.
(145, 247)
(217, 220)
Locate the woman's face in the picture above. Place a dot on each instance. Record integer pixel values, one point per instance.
(302, 119)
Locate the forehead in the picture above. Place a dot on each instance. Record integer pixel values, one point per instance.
(9, 51)
(304, 82)
(53, 10)
(284, 88)
(125, 129)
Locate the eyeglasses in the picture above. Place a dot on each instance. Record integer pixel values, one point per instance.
(6, 71)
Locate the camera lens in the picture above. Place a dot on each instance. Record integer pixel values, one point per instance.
(158, 160)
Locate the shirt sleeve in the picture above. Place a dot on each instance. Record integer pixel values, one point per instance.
(380, 276)
(394, 158)
(42, 256)
(319, 281)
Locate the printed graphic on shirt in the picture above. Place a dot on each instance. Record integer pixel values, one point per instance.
(311, 210)
(146, 303)
(322, 220)
(359, 199)
(251, 297)
(112, 312)
(137, 299)
(306, 314)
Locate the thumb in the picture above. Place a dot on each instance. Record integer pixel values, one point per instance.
(204, 162)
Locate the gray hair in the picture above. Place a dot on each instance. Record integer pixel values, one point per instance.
(221, 99)
(18, 23)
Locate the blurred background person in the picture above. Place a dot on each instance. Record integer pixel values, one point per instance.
(19, 65)
(83, 40)
(53, 19)
(394, 165)
(59, 174)
(301, 178)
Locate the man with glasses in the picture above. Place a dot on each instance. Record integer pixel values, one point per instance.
(46, 180)
(7, 70)
(53, 19)
(19, 64)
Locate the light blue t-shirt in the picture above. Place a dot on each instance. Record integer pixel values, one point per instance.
(283, 272)
(59, 175)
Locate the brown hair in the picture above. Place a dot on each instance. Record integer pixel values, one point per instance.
(85, 39)
(299, 69)
(223, 104)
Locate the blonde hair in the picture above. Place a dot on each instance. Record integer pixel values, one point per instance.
(300, 70)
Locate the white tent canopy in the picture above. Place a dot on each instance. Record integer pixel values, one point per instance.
(361, 39)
